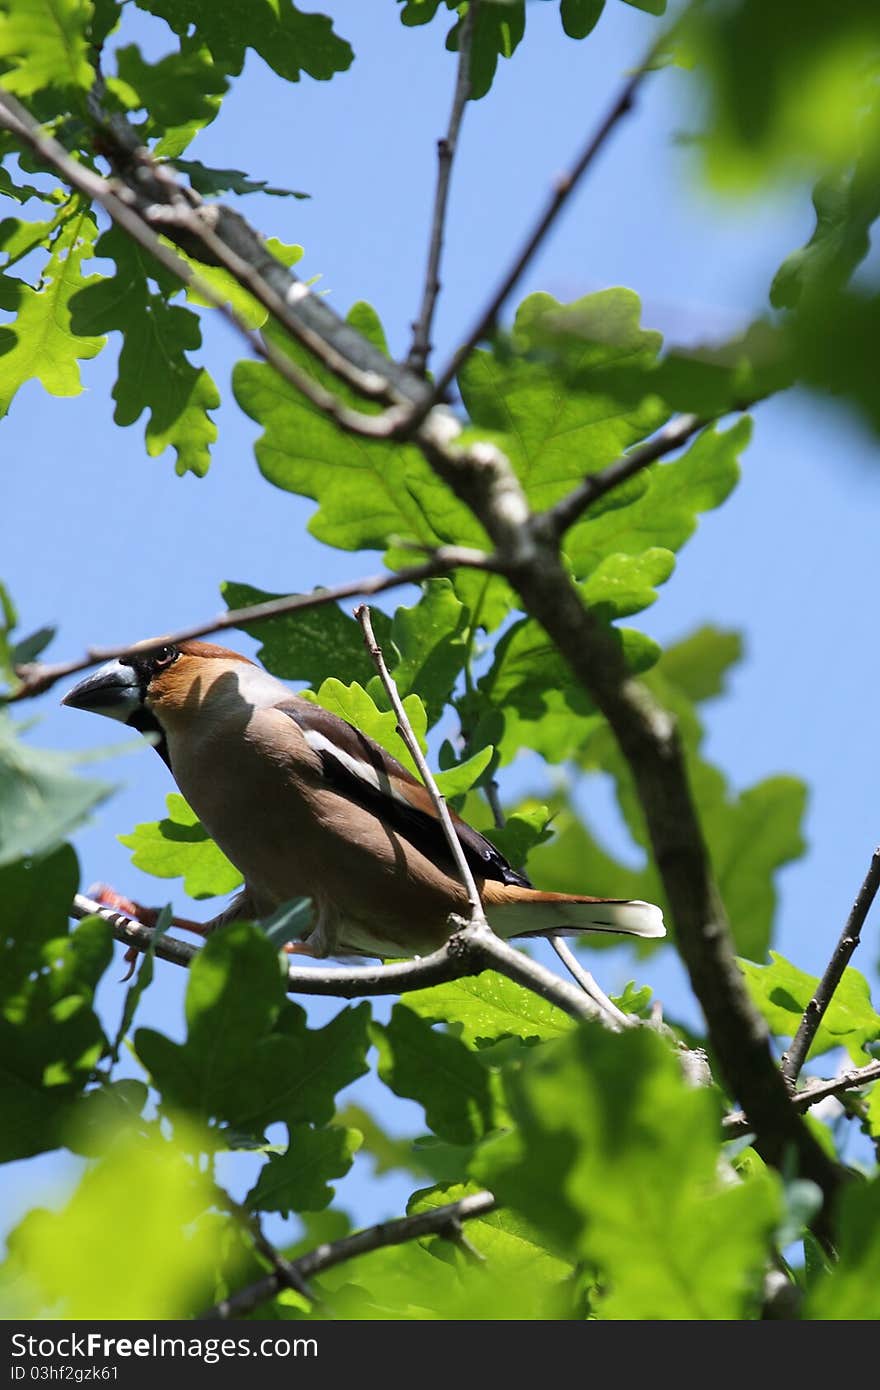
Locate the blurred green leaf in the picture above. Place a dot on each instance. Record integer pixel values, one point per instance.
(41, 798)
(249, 1057)
(788, 84)
(848, 1291)
(179, 847)
(700, 664)
(782, 992)
(846, 205)
(580, 17)
(513, 1249)
(138, 1213)
(178, 88)
(628, 1179)
(298, 1180)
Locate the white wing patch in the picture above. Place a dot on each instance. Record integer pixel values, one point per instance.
(366, 772)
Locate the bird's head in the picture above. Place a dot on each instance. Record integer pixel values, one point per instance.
(145, 687)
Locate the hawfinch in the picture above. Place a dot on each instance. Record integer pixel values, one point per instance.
(306, 806)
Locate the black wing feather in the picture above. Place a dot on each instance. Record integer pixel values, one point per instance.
(422, 829)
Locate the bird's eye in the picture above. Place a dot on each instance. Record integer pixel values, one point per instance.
(164, 657)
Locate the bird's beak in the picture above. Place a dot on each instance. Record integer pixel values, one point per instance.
(113, 690)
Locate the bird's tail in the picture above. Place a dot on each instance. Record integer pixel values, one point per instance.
(514, 911)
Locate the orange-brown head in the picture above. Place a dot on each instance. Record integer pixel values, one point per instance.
(156, 679)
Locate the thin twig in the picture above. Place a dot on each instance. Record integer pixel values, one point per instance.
(286, 1273)
(588, 983)
(438, 1222)
(563, 189)
(37, 677)
(736, 1123)
(557, 519)
(475, 904)
(446, 146)
(794, 1058)
(468, 952)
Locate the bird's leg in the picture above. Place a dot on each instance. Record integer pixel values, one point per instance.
(146, 916)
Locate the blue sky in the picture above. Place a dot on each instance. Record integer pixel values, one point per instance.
(111, 545)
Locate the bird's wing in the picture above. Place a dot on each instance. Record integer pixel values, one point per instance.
(358, 768)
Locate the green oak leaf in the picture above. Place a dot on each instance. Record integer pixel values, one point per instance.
(212, 182)
(178, 88)
(750, 834)
(313, 644)
(627, 1178)
(438, 1071)
(43, 43)
(179, 847)
(371, 493)
(457, 780)
(486, 1007)
(353, 704)
(299, 1180)
(573, 393)
(155, 372)
(580, 17)
(249, 1057)
(20, 192)
(782, 992)
(431, 647)
(289, 40)
(40, 341)
(544, 707)
(498, 30)
(665, 512)
(528, 825)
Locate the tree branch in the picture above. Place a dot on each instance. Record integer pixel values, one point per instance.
(649, 741)
(794, 1058)
(736, 1123)
(467, 952)
(564, 187)
(475, 904)
(442, 1221)
(421, 343)
(37, 677)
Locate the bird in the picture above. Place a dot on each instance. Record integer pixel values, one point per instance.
(305, 805)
